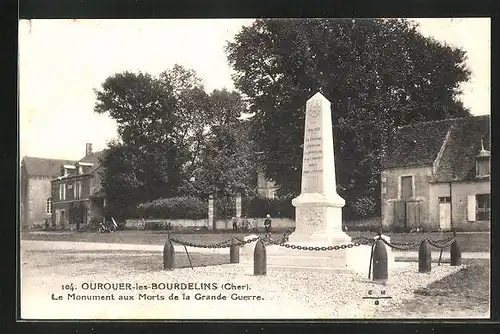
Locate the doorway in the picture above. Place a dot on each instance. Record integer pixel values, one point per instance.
(445, 213)
(63, 218)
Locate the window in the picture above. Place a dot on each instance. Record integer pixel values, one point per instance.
(483, 207)
(48, 206)
(478, 207)
(62, 191)
(445, 199)
(483, 167)
(406, 187)
(78, 189)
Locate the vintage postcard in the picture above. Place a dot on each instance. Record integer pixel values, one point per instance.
(254, 169)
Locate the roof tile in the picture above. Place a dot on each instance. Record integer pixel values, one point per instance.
(419, 144)
(44, 167)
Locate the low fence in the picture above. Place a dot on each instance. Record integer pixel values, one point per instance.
(378, 265)
(220, 224)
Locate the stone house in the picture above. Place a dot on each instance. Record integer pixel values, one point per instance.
(436, 176)
(77, 194)
(265, 187)
(35, 193)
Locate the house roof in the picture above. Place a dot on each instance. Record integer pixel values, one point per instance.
(94, 158)
(458, 162)
(44, 167)
(416, 145)
(419, 145)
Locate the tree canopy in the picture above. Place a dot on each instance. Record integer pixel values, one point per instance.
(168, 127)
(377, 74)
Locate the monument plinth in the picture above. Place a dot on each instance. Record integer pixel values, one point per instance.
(318, 209)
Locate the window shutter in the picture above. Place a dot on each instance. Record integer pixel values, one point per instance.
(471, 208)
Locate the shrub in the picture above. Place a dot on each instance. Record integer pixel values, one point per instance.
(174, 208)
(364, 206)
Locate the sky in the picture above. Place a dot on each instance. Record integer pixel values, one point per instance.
(61, 62)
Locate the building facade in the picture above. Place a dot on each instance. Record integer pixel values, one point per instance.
(436, 176)
(35, 193)
(265, 187)
(77, 196)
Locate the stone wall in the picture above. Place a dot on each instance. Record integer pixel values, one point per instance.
(221, 224)
(38, 191)
(460, 191)
(391, 191)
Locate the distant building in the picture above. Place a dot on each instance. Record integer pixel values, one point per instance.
(35, 193)
(265, 187)
(77, 194)
(436, 175)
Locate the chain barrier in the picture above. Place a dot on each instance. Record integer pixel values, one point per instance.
(314, 248)
(357, 241)
(402, 247)
(223, 244)
(442, 245)
(441, 241)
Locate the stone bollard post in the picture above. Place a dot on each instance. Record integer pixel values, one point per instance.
(455, 254)
(424, 257)
(380, 265)
(234, 252)
(259, 259)
(168, 256)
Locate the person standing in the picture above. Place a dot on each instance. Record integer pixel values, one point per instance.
(267, 224)
(235, 224)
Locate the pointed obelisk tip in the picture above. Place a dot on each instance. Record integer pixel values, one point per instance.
(318, 97)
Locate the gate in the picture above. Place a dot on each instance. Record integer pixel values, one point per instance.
(407, 214)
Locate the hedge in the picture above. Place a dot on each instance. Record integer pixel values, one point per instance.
(174, 208)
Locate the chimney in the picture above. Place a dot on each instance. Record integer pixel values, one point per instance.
(88, 149)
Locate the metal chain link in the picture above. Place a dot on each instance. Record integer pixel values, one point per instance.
(223, 244)
(442, 245)
(314, 248)
(402, 247)
(360, 240)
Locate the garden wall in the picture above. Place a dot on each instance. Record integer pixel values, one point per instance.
(221, 224)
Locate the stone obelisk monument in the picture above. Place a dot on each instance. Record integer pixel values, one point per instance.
(318, 209)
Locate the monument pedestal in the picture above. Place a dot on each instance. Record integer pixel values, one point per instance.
(318, 224)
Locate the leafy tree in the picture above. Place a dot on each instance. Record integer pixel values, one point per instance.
(121, 178)
(377, 74)
(167, 126)
(227, 165)
(144, 108)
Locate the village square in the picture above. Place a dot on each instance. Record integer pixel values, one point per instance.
(340, 177)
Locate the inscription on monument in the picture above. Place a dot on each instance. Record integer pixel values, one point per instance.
(310, 216)
(312, 163)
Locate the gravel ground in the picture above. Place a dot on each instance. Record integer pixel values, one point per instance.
(284, 293)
